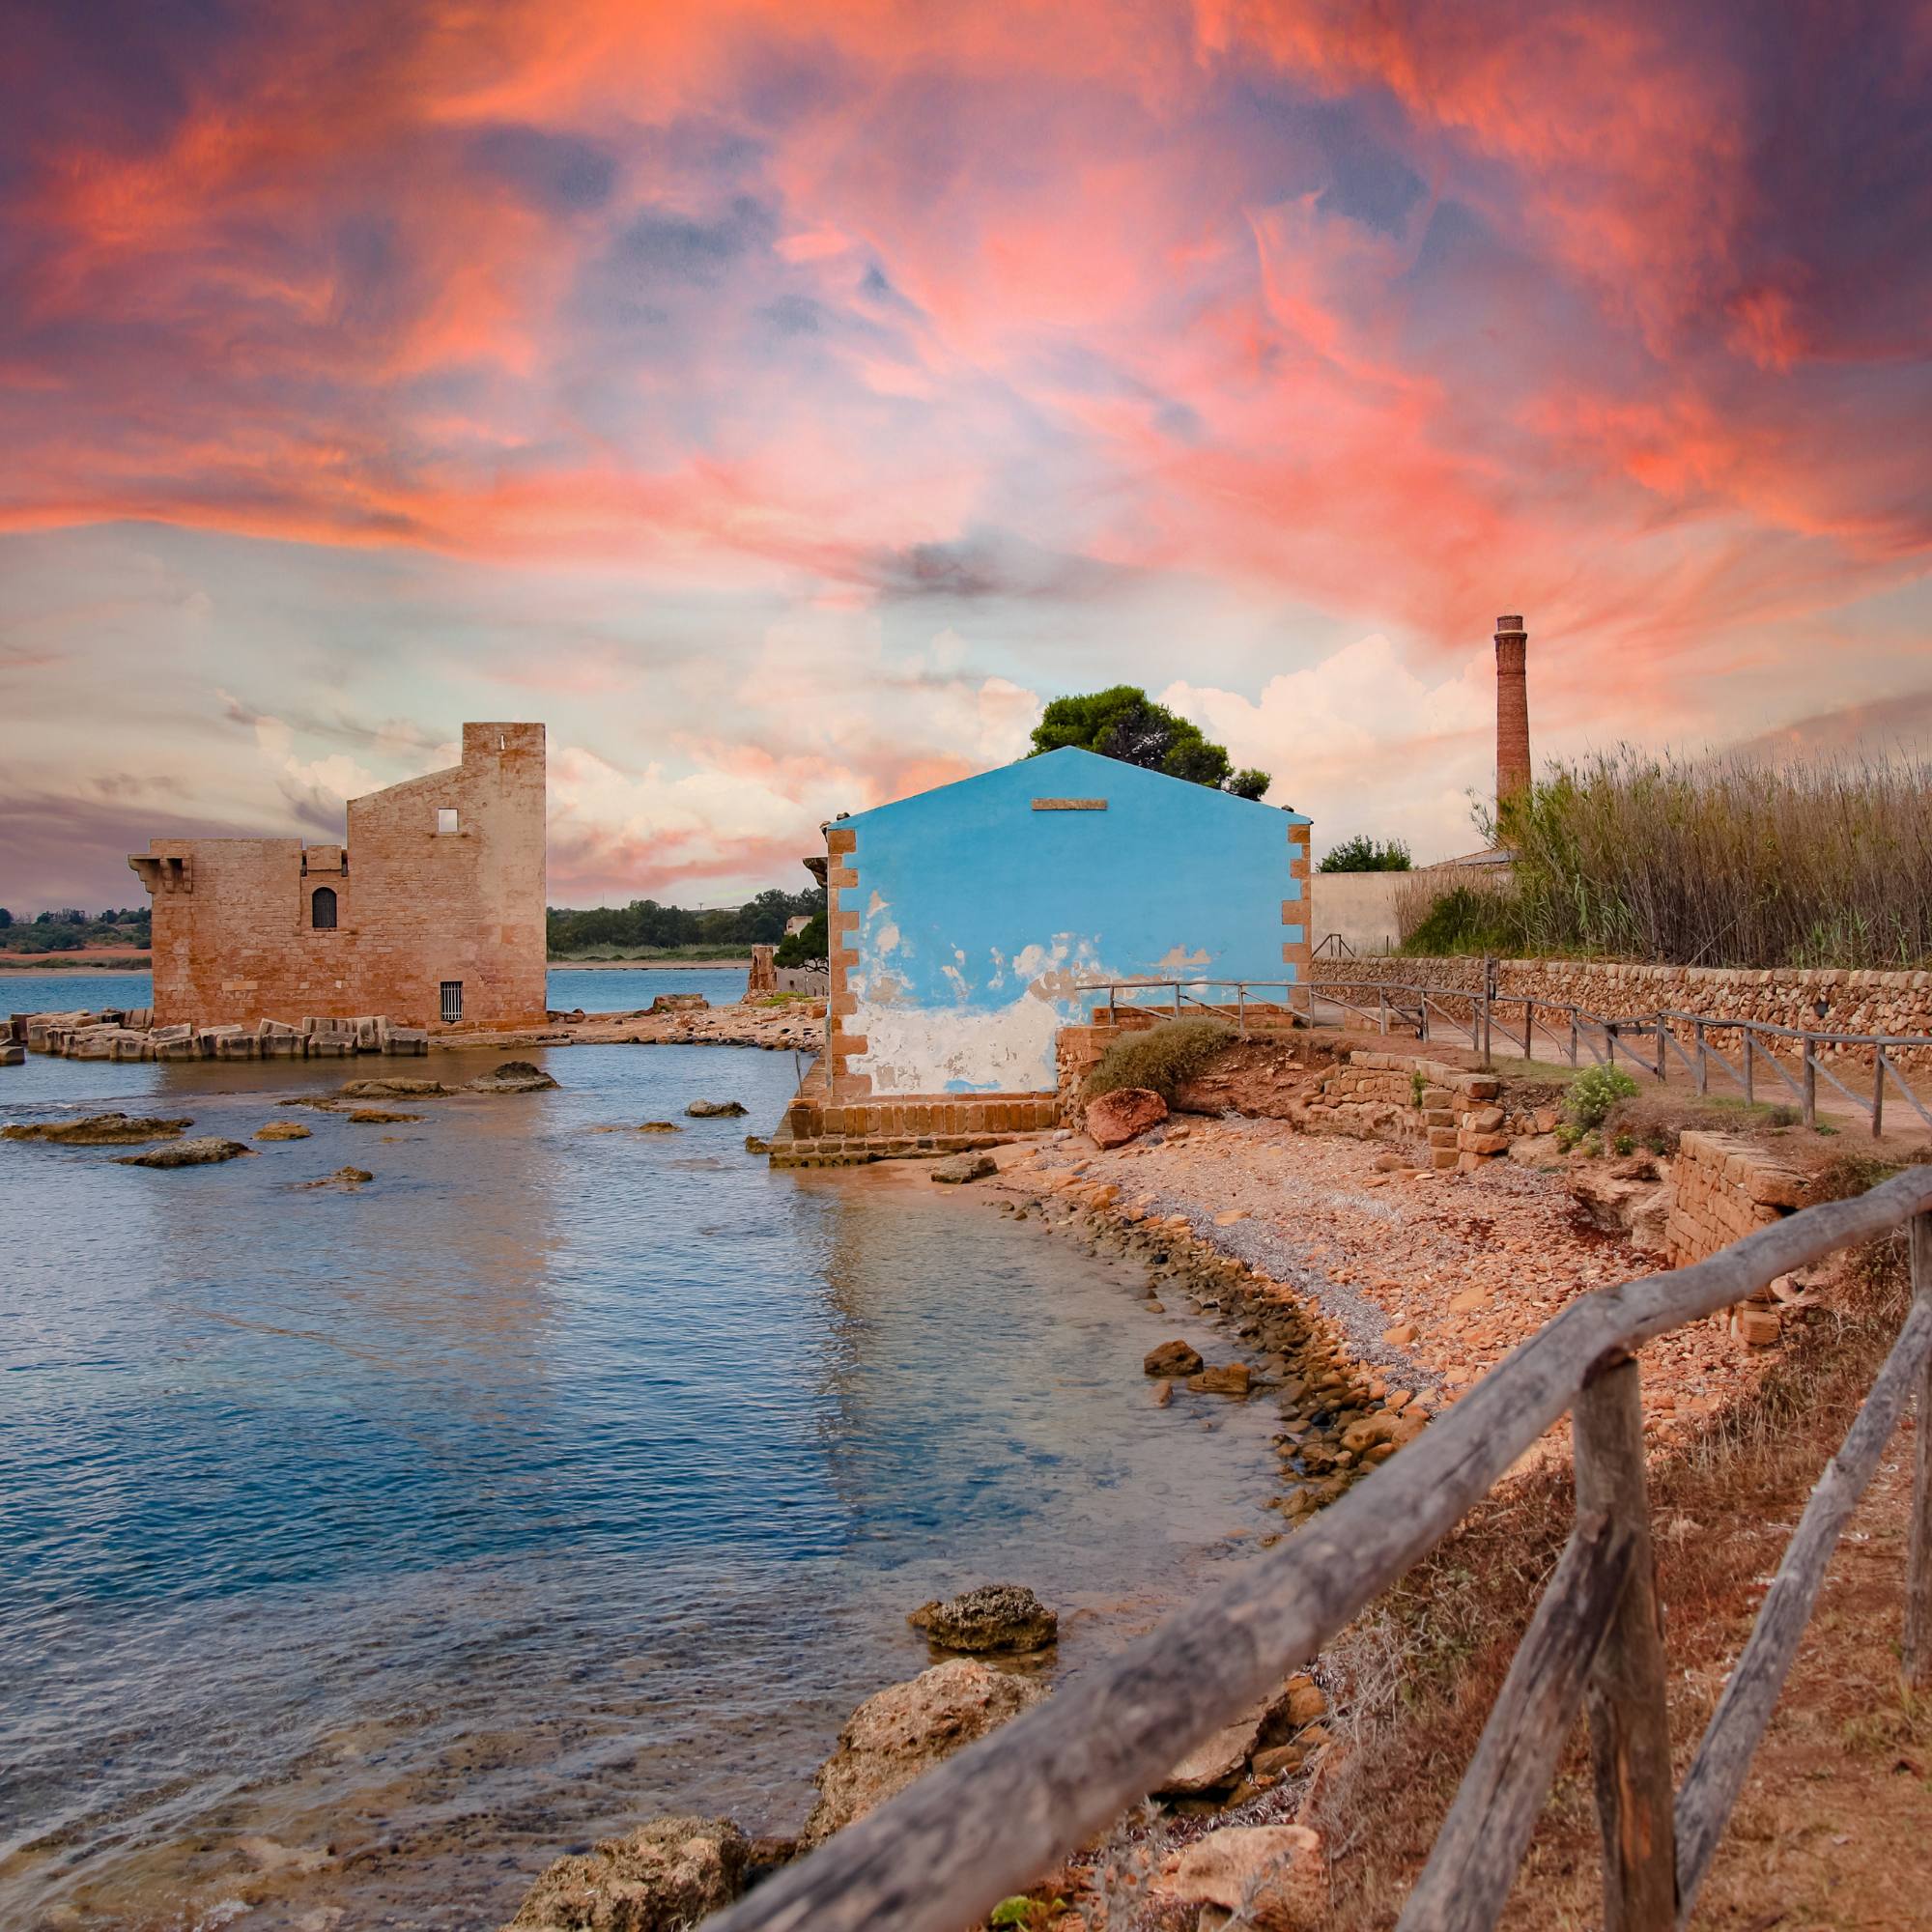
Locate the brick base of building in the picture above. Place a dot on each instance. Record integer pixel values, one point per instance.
(819, 1131)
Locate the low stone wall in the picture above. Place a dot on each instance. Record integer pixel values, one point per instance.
(114, 1036)
(1726, 1188)
(1856, 1001)
(820, 1132)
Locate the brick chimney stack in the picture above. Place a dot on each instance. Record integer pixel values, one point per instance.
(1512, 708)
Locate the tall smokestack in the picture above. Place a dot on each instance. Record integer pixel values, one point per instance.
(1512, 708)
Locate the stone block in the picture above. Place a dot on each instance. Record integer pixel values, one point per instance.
(1484, 1145)
(237, 1046)
(13, 1053)
(328, 1046)
(407, 1039)
(1481, 1087)
(287, 1046)
(1442, 1137)
(1443, 1158)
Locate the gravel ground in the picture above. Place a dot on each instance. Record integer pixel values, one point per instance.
(1433, 1279)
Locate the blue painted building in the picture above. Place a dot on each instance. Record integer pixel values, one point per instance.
(964, 919)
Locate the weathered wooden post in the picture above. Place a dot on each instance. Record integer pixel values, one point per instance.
(1918, 1650)
(1242, 1007)
(1630, 1725)
(1663, 1031)
(1575, 1042)
(1383, 999)
(1750, 1070)
(1528, 1021)
(1810, 1084)
(1878, 1092)
(1703, 1058)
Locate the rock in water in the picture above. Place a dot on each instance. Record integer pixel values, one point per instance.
(200, 1153)
(1233, 1380)
(907, 1729)
(975, 1165)
(398, 1089)
(513, 1077)
(996, 1616)
(98, 1130)
(343, 1176)
(282, 1130)
(665, 1875)
(714, 1110)
(1115, 1119)
(1173, 1358)
(1271, 1877)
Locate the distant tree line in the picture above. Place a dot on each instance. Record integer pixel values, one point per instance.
(647, 926)
(69, 929)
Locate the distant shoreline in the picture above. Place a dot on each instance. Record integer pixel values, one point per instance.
(650, 965)
(71, 962)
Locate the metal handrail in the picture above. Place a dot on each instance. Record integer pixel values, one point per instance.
(1659, 1027)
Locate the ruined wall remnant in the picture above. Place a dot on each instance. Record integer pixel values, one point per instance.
(432, 912)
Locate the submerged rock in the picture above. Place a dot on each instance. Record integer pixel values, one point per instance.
(201, 1152)
(513, 1077)
(715, 1110)
(1173, 1358)
(995, 1616)
(1233, 1380)
(907, 1729)
(374, 1117)
(973, 1165)
(282, 1130)
(665, 1875)
(1115, 1119)
(99, 1130)
(399, 1088)
(343, 1176)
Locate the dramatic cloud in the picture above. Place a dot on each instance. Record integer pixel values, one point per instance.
(778, 401)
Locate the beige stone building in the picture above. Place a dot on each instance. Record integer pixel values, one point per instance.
(431, 914)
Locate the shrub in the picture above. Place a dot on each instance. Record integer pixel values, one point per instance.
(1594, 1092)
(1160, 1058)
(1363, 854)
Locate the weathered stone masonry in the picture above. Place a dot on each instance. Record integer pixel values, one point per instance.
(438, 886)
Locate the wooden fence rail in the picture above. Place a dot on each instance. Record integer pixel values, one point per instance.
(987, 1823)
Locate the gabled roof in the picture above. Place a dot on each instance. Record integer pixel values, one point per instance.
(1073, 773)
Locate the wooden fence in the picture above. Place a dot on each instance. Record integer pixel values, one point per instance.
(1483, 1017)
(987, 1823)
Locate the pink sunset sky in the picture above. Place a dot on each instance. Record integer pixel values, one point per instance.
(782, 401)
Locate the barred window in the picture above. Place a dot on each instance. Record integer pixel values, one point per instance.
(452, 1001)
(322, 909)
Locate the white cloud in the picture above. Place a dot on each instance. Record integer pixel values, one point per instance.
(1361, 741)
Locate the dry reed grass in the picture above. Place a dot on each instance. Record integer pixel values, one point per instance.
(1700, 862)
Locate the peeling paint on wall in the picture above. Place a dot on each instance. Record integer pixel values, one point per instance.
(983, 918)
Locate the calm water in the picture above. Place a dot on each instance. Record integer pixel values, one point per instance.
(597, 989)
(362, 1551)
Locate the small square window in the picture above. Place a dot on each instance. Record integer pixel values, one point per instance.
(445, 818)
(452, 1002)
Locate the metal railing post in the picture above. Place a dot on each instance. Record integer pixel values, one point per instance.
(1810, 1084)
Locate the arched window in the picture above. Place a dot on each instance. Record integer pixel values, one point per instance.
(322, 909)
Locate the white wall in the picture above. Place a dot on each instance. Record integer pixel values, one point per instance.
(1358, 905)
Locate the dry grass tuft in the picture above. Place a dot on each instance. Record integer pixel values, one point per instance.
(1161, 1057)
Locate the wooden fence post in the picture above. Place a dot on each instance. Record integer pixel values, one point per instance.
(1629, 1725)
(1749, 1071)
(1574, 1046)
(1661, 1029)
(1878, 1092)
(1703, 1060)
(1810, 1084)
(1918, 1654)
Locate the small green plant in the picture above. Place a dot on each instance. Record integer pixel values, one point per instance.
(1568, 1134)
(1784, 1117)
(1417, 1086)
(1594, 1092)
(1824, 1127)
(1026, 1913)
(1623, 1144)
(1161, 1057)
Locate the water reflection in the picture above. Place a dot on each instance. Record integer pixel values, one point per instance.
(557, 1476)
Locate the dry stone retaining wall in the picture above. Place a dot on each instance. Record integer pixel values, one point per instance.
(1726, 1188)
(1855, 1000)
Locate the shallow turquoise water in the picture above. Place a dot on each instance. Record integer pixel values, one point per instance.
(596, 989)
(555, 1478)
